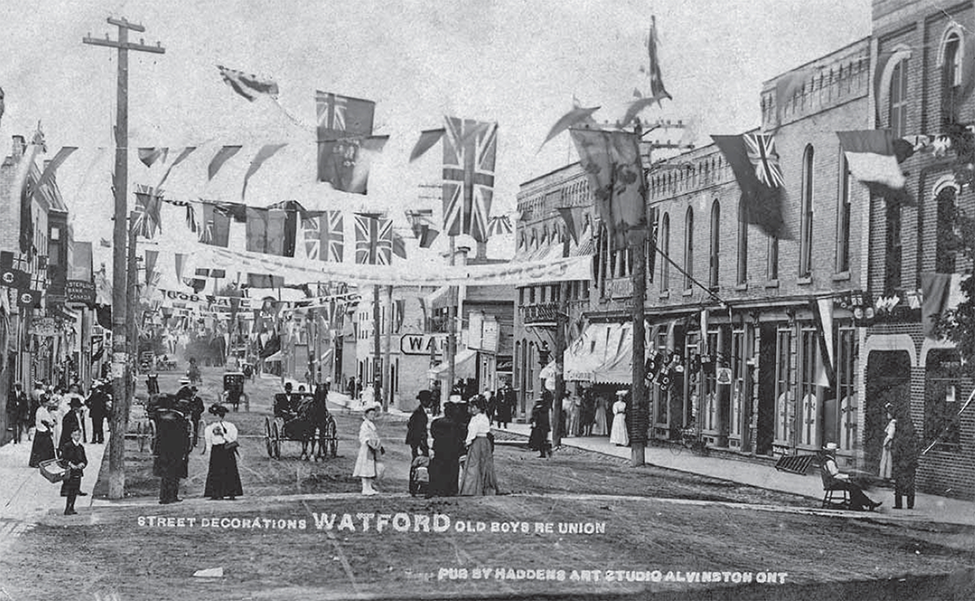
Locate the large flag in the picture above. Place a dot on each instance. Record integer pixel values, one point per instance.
(266, 231)
(215, 227)
(147, 206)
(755, 163)
(873, 161)
(267, 151)
(248, 85)
(469, 152)
(373, 240)
(612, 161)
(344, 125)
(325, 237)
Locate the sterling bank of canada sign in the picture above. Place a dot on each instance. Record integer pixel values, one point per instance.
(423, 344)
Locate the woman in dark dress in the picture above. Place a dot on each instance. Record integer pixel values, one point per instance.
(904, 455)
(448, 443)
(416, 427)
(223, 478)
(541, 426)
(73, 454)
(44, 422)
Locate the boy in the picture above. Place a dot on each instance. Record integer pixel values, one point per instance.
(73, 454)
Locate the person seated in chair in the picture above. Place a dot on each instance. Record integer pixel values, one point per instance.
(859, 501)
(286, 403)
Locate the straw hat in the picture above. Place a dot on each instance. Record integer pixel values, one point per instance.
(369, 406)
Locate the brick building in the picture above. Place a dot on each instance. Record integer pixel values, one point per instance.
(922, 77)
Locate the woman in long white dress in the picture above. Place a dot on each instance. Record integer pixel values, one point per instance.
(368, 464)
(618, 435)
(600, 429)
(885, 463)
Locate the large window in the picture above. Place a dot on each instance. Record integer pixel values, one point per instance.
(783, 387)
(714, 264)
(898, 100)
(772, 258)
(688, 248)
(742, 244)
(846, 357)
(945, 257)
(806, 219)
(942, 379)
(809, 390)
(894, 256)
(664, 244)
(950, 78)
(843, 219)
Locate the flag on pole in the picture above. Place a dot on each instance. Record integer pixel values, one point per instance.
(248, 85)
(325, 237)
(612, 161)
(755, 163)
(873, 161)
(469, 153)
(267, 151)
(223, 155)
(150, 155)
(373, 240)
(657, 89)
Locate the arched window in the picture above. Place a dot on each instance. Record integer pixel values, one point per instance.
(663, 241)
(806, 219)
(843, 218)
(951, 72)
(742, 243)
(714, 264)
(897, 102)
(945, 257)
(688, 248)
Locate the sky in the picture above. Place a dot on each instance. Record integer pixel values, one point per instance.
(517, 62)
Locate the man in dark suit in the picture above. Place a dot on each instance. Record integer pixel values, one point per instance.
(416, 427)
(448, 444)
(71, 421)
(286, 403)
(98, 402)
(172, 448)
(504, 402)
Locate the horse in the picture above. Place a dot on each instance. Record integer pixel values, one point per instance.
(309, 422)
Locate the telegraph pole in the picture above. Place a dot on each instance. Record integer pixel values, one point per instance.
(121, 361)
(636, 238)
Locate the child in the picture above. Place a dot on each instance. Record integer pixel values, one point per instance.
(73, 454)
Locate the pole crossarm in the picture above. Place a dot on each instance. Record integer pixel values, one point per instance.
(139, 47)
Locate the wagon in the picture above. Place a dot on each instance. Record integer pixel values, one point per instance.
(310, 423)
(233, 390)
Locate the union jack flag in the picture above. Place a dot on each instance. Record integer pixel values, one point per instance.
(146, 212)
(325, 237)
(762, 154)
(373, 240)
(469, 152)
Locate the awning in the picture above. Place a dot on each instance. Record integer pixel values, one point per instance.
(463, 365)
(548, 371)
(276, 357)
(603, 355)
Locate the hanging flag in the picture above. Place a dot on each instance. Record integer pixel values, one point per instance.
(223, 155)
(872, 160)
(324, 236)
(151, 256)
(179, 261)
(822, 311)
(499, 225)
(257, 225)
(179, 159)
(941, 292)
(657, 89)
(427, 236)
(215, 226)
(248, 85)
(367, 150)
(104, 243)
(570, 224)
(23, 189)
(191, 219)
(28, 299)
(147, 206)
(399, 246)
(149, 156)
(267, 151)
(469, 153)
(612, 161)
(373, 240)
(343, 123)
(51, 168)
(14, 278)
(755, 163)
(277, 238)
(574, 117)
(428, 139)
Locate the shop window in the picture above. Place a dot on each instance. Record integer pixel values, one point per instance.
(714, 265)
(942, 389)
(772, 258)
(951, 67)
(846, 387)
(946, 238)
(783, 384)
(809, 392)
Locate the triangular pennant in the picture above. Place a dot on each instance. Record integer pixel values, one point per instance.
(266, 152)
(428, 138)
(179, 159)
(223, 155)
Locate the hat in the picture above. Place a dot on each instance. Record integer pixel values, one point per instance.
(184, 380)
(369, 406)
(830, 446)
(622, 392)
(75, 402)
(455, 398)
(217, 409)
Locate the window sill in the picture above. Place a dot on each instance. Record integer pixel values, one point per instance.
(688, 292)
(665, 294)
(804, 281)
(843, 276)
(772, 284)
(741, 287)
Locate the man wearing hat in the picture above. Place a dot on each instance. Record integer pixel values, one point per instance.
(72, 420)
(98, 402)
(172, 448)
(858, 500)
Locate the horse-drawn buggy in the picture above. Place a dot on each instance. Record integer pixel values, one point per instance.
(233, 390)
(305, 419)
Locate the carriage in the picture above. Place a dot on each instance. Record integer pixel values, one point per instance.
(233, 390)
(306, 420)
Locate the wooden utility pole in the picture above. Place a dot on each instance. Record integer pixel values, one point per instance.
(451, 328)
(637, 241)
(121, 361)
(561, 318)
(376, 347)
(388, 355)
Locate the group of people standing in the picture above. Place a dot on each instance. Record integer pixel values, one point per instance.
(584, 414)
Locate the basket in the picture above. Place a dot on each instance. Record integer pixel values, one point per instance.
(53, 470)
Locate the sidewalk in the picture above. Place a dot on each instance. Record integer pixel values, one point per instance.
(26, 497)
(926, 508)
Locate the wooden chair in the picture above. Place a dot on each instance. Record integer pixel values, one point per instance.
(835, 495)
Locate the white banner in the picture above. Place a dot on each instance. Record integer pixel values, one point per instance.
(414, 273)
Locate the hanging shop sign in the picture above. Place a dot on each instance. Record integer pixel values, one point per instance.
(422, 344)
(80, 291)
(43, 326)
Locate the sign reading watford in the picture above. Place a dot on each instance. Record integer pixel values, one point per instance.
(422, 344)
(80, 291)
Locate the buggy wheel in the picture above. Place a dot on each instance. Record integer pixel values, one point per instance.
(676, 446)
(140, 437)
(276, 440)
(267, 438)
(150, 430)
(331, 435)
